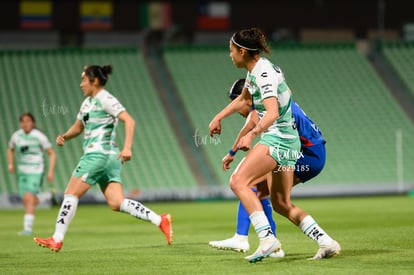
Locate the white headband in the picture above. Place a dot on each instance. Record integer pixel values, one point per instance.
(237, 44)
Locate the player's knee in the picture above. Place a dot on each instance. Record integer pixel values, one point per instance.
(235, 183)
(280, 206)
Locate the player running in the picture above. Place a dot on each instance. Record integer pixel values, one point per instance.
(102, 161)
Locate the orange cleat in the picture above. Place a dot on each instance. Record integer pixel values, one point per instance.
(49, 243)
(166, 227)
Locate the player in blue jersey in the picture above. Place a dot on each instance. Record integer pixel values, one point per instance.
(309, 165)
(27, 146)
(101, 163)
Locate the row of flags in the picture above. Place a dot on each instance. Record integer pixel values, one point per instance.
(98, 15)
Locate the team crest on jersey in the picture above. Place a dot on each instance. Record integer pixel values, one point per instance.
(247, 82)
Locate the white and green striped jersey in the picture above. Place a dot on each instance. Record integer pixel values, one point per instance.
(29, 150)
(267, 80)
(99, 117)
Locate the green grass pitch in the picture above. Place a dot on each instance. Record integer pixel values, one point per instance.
(376, 235)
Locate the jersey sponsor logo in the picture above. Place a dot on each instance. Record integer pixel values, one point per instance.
(24, 149)
(264, 74)
(85, 118)
(267, 88)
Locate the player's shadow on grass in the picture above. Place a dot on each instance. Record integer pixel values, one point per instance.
(347, 253)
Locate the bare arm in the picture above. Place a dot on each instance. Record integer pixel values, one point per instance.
(10, 159)
(231, 108)
(126, 153)
(272, 113)
(52, 164)
(72, 132)
(251, 121)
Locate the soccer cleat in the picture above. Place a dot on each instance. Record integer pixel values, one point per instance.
(25, 233)
(166, 227)
(49, 243)
(325, 252)
(237, 243)
(266, 247)
(277, 254)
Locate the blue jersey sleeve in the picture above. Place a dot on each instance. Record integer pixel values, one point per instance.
(309, 132)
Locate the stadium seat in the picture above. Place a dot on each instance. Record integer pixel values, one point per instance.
(46, 83)
(401, 56)
(338, 89)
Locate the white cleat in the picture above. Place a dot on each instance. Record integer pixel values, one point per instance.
(325, 252)
(266, 247)
(277, 254)
(237, 243)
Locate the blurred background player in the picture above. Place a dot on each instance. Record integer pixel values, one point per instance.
(309, 165)
(29, 145)
(102, 161)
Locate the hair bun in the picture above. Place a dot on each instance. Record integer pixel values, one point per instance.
(106, 69)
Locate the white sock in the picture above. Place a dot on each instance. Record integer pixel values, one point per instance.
(261, 224)
(140, 211)
(66, 213)
(311, 229)
(28, 221)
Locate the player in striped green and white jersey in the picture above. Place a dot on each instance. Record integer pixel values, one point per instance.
(28, 145)
(101, 163)
(277, 150)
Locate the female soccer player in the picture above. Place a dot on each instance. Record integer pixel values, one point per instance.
(102, 161)
(30, 144)
(279, 144)
(278, 148)
(309, 165)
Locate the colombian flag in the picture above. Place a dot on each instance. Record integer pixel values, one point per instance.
(96, 15)
(36, 14)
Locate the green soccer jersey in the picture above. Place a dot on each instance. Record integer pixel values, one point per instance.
(29, 150)
(99, 117)
(267, 80)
